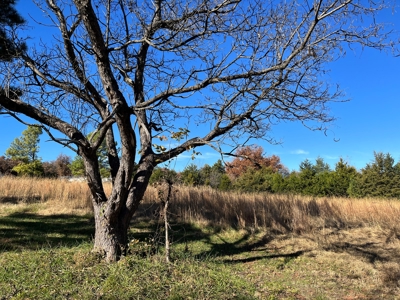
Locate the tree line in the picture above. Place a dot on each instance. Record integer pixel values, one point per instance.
(21, 158)
(251, 171)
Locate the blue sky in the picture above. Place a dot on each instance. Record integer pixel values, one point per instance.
(368, 122)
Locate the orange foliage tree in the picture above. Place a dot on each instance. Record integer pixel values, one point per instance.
(252, 157)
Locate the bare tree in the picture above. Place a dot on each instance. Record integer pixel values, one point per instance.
(155, 69)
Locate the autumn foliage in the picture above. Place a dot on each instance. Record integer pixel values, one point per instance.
(252, 157)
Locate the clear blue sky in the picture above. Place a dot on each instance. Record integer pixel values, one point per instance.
(369, 122)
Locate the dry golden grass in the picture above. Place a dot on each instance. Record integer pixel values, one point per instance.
(64, 196)
(283, 213)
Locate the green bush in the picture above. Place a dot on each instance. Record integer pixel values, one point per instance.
(34, 168)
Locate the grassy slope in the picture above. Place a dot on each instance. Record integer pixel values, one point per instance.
(48, 257)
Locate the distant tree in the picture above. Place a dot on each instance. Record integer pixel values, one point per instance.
(7, 164)
(252, 157)
(10, 46)
(77, 166)
(218, 166)
(312, 179)
(58, 168)
(49, 169)
(306, 177)
(217, 172)
(321, 166)
(225, 183)
(191, 175)
(292, 184)
(323, 185)
(255, 180)
(381, 178)
(160, 174)
(205, 174)
(278, 182)
(211, 175)
(62, 164)
(323, 181)
(343, 176)
(26, 147)
(317, 179)
(307, 166)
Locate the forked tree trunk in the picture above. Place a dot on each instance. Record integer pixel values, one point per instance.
(113, 214)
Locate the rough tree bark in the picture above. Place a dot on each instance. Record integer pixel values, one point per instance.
(138, 72)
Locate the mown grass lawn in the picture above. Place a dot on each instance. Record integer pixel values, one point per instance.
(49, 257)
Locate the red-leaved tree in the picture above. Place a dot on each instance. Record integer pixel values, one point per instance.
(252, 157)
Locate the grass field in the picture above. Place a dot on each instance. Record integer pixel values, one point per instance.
(224, 246)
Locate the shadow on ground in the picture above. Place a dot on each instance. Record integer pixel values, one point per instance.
(23, 230)
(344, 258)
(245, 246)
(248, 246)
(27, 230)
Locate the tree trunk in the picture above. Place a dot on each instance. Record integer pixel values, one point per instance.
(113, 214)
(111, 233)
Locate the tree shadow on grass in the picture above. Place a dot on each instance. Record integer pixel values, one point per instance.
(211, 242)
(247, 246)
(22, 199)
(29, 231)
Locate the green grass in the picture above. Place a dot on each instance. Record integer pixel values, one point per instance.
(49, 257)
(62, 273)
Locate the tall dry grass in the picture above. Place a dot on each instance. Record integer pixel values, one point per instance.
(63, 196)
(283, 213)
